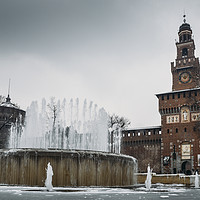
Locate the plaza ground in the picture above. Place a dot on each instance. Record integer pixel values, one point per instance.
(138, 192)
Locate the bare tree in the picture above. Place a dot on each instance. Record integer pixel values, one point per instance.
(2, 99)
(116, 124)
(54, 111)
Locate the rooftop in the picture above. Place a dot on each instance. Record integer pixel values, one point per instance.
(178, 91)
(143, 128)
(8, 103)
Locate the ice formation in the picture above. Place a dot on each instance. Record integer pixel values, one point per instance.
(65, 125)
(48, 181)
(196, 180)
(148, 179)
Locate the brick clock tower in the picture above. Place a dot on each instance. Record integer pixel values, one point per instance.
(180, 110)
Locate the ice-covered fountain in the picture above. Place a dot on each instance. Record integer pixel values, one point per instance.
(196, 180)
(65, 125)
(73, 137)
(148, 179)
(48, 181)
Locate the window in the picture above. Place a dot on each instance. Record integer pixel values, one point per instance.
(184, 94)
(195, 93)
(185, 129)
(167, 130)
(194, 128)
(162, 97)
(184, 52)
(175, 110)
(179, 95)
(184, 37)
(168, 97)
(176, 130)
(180, 39)
(172, 96)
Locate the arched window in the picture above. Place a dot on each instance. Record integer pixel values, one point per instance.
(184, 52)
(180, 38)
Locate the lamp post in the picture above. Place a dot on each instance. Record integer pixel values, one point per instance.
(174, 161)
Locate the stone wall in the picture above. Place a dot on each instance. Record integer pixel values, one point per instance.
(71, 168)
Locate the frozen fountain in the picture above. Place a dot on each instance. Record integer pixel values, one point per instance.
(73, 137)
(148, 179)
(196, 180)
(63, 125)
(48, 181)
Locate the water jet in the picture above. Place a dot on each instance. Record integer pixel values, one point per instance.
(48, 181)
(196, 180)
(148, 179)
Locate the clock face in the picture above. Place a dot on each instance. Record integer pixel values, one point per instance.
(184, 77)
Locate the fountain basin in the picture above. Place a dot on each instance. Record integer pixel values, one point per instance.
(188, 180)
(71, 168)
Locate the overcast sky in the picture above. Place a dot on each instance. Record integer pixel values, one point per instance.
(116, 53)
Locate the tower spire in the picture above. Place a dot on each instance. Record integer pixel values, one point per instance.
(184, 17)
(8, 98)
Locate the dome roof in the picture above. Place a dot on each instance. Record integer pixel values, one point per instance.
(185, 27)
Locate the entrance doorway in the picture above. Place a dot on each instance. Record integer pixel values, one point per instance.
(186, 167)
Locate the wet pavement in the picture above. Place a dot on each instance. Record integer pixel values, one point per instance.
(175, 192)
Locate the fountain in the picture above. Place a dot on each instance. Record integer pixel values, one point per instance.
(196, 180)
(74, 140)
(65, 125)
(148, 179)
(48, 182)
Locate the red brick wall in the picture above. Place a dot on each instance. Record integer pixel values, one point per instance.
(145, 148)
